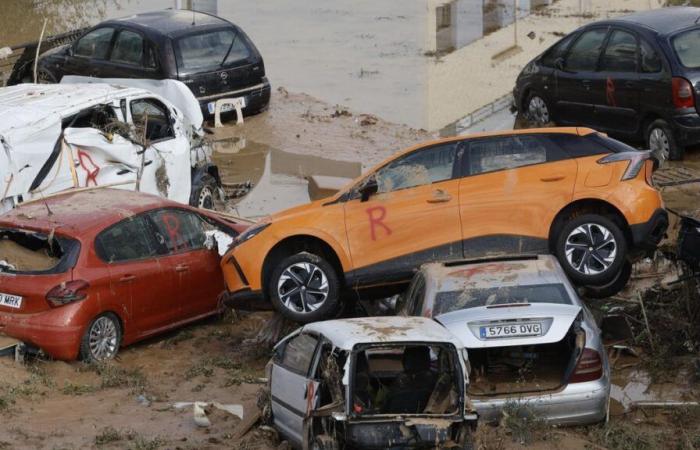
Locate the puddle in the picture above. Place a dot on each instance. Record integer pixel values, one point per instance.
(278, 179)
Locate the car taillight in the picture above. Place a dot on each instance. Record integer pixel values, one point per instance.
(588, 368)
(67, 292)
(636, 161)
(682, 93)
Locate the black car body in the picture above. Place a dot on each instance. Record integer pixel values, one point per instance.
(636, 77)
(212, 56)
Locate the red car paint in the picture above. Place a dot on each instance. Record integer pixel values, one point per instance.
(149, 295)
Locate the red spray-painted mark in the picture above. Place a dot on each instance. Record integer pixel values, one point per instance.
(377, 220)
(91, 172)
(172, 227)
(610, 92)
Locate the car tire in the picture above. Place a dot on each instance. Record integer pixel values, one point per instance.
(45, 76)
(324, 442)
(102, 339)
(613, 287)
(204, 192)
(537, 110)
(591, 249)
(302, 277)
(662, 142)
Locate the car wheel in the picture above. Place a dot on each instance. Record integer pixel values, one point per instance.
(613, 287)
(324, 442)
(304, 288)
(101, 339)
(44, 76)
(591, 248)
(204, 192)
(661, 141)
(537, 111)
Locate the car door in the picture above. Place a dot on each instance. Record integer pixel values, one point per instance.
(576, 79)
(290, 382)
(167, 164)
(411, 219)
(192, 267)
(616, 89)
(512, 188)
(89, 53)
(132, 56)
(138, 279)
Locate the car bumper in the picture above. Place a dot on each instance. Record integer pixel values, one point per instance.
(239, 294)
(687, 129)
(257, 98)
(47, 330)
(647, 235)
(576, 404)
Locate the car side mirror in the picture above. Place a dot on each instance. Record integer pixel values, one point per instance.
(368, 189)
(559, 63)
(70, 50)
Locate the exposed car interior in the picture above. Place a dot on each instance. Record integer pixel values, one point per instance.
(22, 251)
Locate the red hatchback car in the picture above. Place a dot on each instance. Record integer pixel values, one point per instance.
(84, 273)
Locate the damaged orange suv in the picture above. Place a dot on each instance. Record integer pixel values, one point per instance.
(573, 192)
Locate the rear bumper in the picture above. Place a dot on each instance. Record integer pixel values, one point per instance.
(257, 98)
(47, 330)
(239, 293)
(647, 235)
(576, 404)
(687, 129)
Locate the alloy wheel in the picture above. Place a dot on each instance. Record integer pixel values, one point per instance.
(206, 198)
(659, 144)
(303, 287)
(537, 111)
(103, 339)
(591, 249)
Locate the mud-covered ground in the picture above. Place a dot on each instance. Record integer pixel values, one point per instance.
(129, 403)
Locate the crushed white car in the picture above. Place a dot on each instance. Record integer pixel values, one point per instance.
(139, 135)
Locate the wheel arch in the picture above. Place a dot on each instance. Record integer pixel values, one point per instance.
(588, 206)
(647, 119)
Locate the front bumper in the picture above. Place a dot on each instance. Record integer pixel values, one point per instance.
(687, 129)
(576, 404)
(647, 235)
(239, 294)
(257, 98)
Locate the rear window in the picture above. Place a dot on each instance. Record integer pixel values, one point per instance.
(210, 51)
(473, 298)
(687, 48)
(36, 253)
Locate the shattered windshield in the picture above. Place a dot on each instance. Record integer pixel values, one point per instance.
(472, 298)
(210, 51)
(30, 252)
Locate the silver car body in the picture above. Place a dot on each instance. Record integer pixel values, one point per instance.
(572, 403)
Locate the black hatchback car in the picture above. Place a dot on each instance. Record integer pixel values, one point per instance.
(212, 56)
(636, 77)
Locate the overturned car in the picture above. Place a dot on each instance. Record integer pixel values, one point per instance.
(372, 383)
(139, 135)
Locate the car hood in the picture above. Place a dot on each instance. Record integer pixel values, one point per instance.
(298, 210)
(555, 319)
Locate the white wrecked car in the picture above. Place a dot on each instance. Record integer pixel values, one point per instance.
(140, 135)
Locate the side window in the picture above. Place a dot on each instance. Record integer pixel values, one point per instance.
(151, 59)
(95, 44)
(620, 54)
(128, 48)
(421, 167)
(509, 152)
(417, 297)
(130, 239)
(583, 56)
(557, 51)
(649, 61)
(178, 230)
(151, 116)
(299, 352)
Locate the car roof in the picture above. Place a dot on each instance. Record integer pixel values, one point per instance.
(82, 213)
(490, 272)
(26, 104)
(171, 22)
(347, 333)
(664, 20)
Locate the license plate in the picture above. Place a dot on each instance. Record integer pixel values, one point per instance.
(510, 330)
(13, 301)
(211, 106)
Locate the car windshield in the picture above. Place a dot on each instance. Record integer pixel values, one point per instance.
(687, 48)
(210, 51)
(503, 295)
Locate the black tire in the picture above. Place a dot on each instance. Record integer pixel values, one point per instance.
(204, 192)
(661, 140)
(45, 76)
(325, 442)
(601, 263)
(537, 111)
(88, 352)
(613, 287)
(290, 273)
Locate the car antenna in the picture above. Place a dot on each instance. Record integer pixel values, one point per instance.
(46, 203)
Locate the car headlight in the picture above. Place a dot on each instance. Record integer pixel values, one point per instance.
(250, 233)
